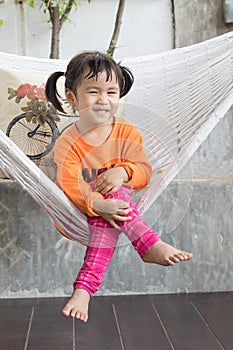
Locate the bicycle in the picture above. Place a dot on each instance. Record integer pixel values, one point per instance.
(35, 139)
(35, 131)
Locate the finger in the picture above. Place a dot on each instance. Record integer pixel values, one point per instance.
(104, 187)
(122, 218)
(99, 182)
(114, 224)
(123, 205)
(107, 190)
(124, 212)
(115, 187)
(111, 191)
(99, 187)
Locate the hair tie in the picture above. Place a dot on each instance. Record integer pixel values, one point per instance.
(64, 74)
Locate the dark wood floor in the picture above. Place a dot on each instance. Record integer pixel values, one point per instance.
(151, 322)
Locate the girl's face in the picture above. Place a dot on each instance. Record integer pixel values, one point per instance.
(96, 99)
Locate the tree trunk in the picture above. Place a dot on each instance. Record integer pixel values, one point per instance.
(117, 27)
(173, 24)
(55, 36)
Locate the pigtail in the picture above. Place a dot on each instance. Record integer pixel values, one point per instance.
(51, 90)
(127, 81)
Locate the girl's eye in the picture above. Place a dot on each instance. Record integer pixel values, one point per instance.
(112, 92)
(92, 92)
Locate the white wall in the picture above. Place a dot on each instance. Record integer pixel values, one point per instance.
(146, 28)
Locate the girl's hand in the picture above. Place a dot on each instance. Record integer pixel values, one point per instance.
(113, 210)
(111, 180)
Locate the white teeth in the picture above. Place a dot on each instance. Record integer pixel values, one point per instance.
(101, 111)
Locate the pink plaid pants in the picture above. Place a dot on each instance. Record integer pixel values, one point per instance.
(103, 240)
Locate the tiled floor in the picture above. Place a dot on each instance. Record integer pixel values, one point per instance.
(143, 322)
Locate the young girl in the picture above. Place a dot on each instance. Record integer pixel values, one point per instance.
(100, 159)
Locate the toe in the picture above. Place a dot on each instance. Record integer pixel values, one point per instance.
(175, 258)
(180, 256)
(66, 311)
(83, 317)
(74, 314)
(169, 262)
(186, 256)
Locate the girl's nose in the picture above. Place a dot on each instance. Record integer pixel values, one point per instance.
(102, 99)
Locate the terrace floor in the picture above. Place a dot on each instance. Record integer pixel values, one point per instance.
(199, 321)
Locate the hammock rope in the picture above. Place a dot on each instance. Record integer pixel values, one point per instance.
(178, 98)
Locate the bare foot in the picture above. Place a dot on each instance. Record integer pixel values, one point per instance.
(163, 254)
(77, 306)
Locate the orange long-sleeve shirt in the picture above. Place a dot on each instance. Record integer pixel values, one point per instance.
(79, 163)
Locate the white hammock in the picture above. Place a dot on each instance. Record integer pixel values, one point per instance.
(177, 99)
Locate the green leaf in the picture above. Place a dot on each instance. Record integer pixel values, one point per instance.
(18, 99)
(31, 3)
(28, 117)
(11, 90)
(12, 93)
(26, 109)
(2, 22)
(55, 117)
(11, 96)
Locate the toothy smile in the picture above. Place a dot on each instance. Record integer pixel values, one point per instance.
(101, 110)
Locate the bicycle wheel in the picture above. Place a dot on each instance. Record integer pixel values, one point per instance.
(34, 140)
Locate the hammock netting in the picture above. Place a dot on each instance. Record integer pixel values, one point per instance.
(177, 99)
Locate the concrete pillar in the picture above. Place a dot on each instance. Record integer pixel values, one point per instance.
(198, 20)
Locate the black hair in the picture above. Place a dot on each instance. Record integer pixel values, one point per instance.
(96, 62)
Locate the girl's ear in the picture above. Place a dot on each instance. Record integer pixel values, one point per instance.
(70, 97)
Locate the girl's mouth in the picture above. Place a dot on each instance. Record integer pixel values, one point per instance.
(101, 111)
